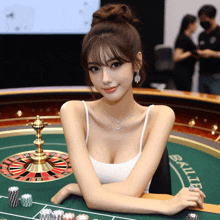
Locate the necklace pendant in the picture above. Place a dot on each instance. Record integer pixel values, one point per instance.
(118, 125)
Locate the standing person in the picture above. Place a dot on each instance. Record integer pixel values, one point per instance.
(184, 55)
(114, 143)
(209, 50)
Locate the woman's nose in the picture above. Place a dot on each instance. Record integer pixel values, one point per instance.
(106, 76)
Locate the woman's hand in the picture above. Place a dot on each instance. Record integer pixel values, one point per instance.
(67, 190)
(183, 199)
(207, 53)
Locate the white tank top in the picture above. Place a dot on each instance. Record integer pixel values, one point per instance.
(111, 173)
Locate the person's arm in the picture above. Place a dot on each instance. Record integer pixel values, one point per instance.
(98, 197)
(207, 53)
(180, 55)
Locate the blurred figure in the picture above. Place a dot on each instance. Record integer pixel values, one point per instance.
(185, 55)
(209, 50)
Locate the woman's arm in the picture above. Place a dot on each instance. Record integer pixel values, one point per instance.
(207, 53)
(180, 55)
(95, 195)
(160, 123)
(172, 206)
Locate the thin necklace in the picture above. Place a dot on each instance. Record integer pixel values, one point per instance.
(118, 123)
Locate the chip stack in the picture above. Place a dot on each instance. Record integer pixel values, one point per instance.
(68, 216)
(13, 193)
(192, 216)
(26, 200)
(57, 214)
(82, 217)
(46, 214)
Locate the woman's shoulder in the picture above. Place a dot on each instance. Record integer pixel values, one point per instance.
(182, 37)
(162, 112)
(71, 105)
(77, 106)
(72, 108)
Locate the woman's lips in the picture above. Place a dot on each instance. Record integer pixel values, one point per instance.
(110, 90)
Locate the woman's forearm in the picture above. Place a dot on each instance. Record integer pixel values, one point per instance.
(182, 56)
(117, 187)
(113, 202)
(117, 202)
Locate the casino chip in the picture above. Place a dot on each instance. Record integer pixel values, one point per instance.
(68, 216)
(192, 216)
(26, 200)
(82, 217)
(57, 214)
(45, 214)
(13, 195)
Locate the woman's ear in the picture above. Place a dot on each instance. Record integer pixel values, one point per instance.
(138, 65)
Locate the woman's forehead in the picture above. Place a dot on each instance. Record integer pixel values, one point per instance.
(101, 55)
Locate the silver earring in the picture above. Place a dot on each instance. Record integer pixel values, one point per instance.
(137, 78)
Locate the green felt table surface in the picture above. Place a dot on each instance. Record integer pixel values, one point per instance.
(187, 164)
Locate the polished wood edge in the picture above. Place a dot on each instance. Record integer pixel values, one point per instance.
(212, 208)
(195, 144)
(139, 91)
(179, 94)
(30, 131)
(196, 127)
(39, 90)
(29, 118)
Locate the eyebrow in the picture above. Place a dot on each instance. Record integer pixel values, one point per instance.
(89, 63)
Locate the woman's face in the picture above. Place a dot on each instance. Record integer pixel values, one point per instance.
(113, 80)
(194, 26)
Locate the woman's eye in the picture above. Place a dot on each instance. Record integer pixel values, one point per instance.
(93, 69)
(116, 64)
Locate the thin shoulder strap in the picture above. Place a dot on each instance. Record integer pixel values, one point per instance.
(145, 123)
(87, 121)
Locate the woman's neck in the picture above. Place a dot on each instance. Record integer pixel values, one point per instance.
(188, 33)
(119, 109)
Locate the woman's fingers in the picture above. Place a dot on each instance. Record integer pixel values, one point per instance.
(202, 195)
(200, 192)
(191, 204)
(198, 200)
(195, 197)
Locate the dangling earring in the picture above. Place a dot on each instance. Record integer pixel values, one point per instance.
(137, 78)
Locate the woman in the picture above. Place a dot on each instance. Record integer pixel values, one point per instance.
(185, 54)
(111, 139)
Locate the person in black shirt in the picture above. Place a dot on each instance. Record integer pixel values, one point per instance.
(209, 50)
(185, 54)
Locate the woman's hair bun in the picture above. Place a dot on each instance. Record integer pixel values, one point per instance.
(118, 13)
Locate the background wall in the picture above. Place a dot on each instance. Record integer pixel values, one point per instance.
(54, 60)
(174, 12)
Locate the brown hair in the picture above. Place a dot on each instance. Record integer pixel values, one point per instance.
(113, 31)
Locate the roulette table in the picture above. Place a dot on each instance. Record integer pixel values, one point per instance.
(193, 147)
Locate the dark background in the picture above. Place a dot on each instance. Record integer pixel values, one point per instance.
(54, 60)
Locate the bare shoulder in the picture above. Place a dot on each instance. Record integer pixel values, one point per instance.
(163, 109)
(73, 112)
(162, 113)
(74, 106)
